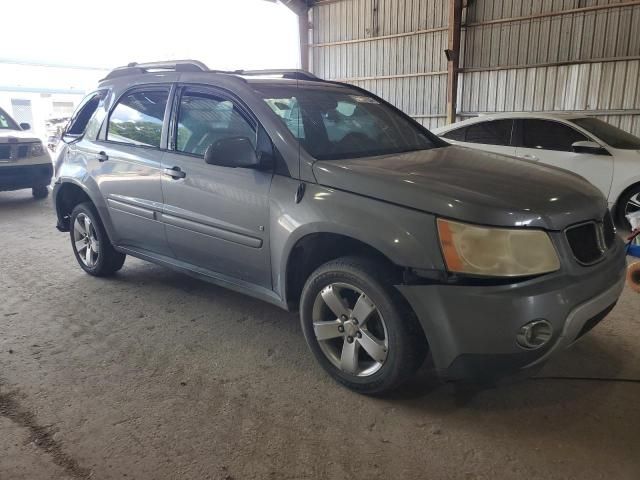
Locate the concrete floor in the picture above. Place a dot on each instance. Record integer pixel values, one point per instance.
(153, 375)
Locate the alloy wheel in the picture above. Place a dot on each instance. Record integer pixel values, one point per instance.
(85, 240)
(350, 329)
(633, 204)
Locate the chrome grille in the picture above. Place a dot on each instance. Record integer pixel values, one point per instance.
(5, 152)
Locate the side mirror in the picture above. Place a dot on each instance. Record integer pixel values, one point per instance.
(25, 126)
(589, 147)
(232, 152)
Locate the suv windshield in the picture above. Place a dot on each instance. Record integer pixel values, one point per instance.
(6, 122)
(608, 133)
(338, 123)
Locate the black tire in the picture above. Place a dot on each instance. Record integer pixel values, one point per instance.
(621, 207)
(107, 259)
(407, 346)
(40, 192)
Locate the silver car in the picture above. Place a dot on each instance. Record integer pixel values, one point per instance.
(321, 197)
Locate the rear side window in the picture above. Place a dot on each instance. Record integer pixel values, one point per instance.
(496, 132)
(548, 135)
(204, 119)
(137, 118)
(458, 134)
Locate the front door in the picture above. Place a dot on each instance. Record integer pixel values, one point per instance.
(216, 218)
(128, 169)
(550, 142)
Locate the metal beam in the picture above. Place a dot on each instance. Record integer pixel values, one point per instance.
(388, 77)
(380, 37)
(299, 7)
(303, 28)
(550, 64)
(453, 57)
(540, 16)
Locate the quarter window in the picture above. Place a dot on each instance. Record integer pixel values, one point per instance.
(549, 135)
(204, 119)
(137, 118)
(81, 117)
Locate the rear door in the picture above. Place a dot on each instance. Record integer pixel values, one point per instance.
(216, 218)
(550, 142)
(128, 169)
(491, 136)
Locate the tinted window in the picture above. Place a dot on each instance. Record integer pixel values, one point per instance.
(6, 122)
(496, 132)
(137, 118)
(337, 123)
(609, 134)
(458, 134)
(205, 119)
(549, 135)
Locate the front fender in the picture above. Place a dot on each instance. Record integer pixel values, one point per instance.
(407, 237)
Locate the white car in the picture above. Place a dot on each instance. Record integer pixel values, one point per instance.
(24, 162)
(603, 154)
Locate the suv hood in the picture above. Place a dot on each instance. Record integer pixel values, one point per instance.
(17, 136)
(470, 185)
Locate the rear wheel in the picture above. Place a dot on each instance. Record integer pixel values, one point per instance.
(358, 326)
(90, 243)
(40, 192)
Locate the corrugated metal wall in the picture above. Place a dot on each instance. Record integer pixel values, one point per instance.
(558, 60)
(390, 47)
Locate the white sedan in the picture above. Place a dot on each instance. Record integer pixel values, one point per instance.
(603, 154)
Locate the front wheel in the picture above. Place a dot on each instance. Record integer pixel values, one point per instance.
(358, 326)
(628, 203)
(90, 243)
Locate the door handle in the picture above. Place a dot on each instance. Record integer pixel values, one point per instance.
(175, 173)
(102, 157)
(531, 157)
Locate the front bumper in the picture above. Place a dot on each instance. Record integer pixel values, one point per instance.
(16, 177)
(472, 329)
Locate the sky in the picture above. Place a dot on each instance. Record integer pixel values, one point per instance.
(224, 34)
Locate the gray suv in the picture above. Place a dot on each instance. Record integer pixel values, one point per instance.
(321, 197)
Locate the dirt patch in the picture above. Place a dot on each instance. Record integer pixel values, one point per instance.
(39, 435)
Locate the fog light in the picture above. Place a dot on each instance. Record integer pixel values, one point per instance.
(534, 334)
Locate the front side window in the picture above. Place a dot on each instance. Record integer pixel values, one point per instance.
(608, 133)
(339, 123)
(137, 118)
(204, 119)
(496, 132)
(6, 122)
(549, 135)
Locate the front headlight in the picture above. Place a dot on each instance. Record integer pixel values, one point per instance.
(497, 252)
(37, 149)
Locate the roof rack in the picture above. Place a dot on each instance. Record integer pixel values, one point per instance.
(170, 65)
(294, 74)
(196, 66)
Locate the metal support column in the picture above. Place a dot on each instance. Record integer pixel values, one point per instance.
(453, 58)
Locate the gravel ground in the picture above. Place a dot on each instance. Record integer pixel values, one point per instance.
(154, 375)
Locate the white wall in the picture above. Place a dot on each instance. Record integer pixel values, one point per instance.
(41, 105)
